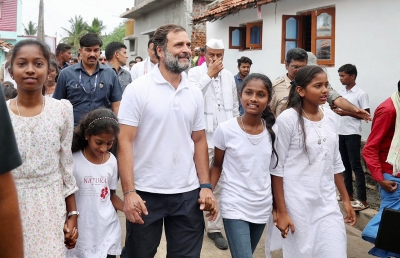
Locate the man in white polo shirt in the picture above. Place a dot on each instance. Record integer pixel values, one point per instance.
(144, 67)
(162, 154)
(349, 130)
(220, 104)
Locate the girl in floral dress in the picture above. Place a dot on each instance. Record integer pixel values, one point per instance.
(95, 170)
(45, 183)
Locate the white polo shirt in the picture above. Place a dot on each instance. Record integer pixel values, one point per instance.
(163, 148)
(348, 125)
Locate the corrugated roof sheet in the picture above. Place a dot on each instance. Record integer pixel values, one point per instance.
(228, 7)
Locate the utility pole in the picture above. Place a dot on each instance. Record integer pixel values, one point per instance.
(40, 32)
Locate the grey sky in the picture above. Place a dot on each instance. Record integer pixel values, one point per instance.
(58, 12)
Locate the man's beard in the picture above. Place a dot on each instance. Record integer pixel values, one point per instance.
(172, 62)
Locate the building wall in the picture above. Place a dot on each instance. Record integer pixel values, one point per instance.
(177, 12)
(8, 20)
(198, 36)
(365, 37)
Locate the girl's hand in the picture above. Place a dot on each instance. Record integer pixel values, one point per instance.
(284, 222)
(71, 231)
(350, 217)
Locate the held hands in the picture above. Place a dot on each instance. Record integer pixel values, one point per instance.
(214, 67)
(134, 207)
(388, 186)
(283, 222)
(208, 203)
(350, 217)
(70, 232)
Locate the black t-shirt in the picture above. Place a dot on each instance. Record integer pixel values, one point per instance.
(9, 154)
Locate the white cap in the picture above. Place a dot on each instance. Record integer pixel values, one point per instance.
(103, 53)
(312, 59)
(215, 44)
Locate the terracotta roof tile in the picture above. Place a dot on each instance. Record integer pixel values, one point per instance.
(228, 7)
(5, 44)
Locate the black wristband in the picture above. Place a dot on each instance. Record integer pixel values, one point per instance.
(206, 186)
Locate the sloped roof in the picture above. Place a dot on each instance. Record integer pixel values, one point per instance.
(228, 7)
(5, 44)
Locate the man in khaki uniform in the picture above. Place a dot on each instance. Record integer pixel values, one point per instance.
(295, 59)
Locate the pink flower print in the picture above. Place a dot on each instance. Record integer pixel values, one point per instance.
(104, 192)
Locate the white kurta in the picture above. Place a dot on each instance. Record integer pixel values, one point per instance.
(309, 186)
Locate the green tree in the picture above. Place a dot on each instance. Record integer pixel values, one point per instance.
(31, 29)
(96, 26)
(77, 30)
(117, 35)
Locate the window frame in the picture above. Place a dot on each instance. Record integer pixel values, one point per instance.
(314, 14)
(250, 25)
(245, 30)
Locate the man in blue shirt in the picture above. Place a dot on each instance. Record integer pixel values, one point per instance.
(116, 59)
(244, 64)
(89, 85)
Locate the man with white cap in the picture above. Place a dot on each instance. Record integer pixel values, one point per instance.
(220, 104)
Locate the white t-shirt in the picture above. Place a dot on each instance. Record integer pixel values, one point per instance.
(163, 148)
(141, 68)
(245, 180)
(99, 227)
(348, 125)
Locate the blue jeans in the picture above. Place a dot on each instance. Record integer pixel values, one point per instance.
(243, 237)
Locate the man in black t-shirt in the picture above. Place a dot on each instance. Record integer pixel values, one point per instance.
(11, 244)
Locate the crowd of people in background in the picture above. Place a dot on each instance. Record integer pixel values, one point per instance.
(197, 149)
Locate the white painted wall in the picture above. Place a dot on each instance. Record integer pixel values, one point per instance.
(367, 35)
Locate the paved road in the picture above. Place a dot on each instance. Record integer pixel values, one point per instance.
(357, 248)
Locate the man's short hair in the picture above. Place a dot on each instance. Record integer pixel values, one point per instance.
(349, 69)
(244, 60)
(141, 59)
(149, 42)
(296, 54)
(160, 36)
(132, 62)
(62, 47)
(112, 48)
(90, 39)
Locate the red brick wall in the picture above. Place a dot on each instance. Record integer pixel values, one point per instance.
(198, 30)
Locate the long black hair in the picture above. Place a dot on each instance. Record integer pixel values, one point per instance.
(96, 122)
(302, 78)
(267, 114)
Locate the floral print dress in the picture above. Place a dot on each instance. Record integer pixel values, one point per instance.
(45, 178)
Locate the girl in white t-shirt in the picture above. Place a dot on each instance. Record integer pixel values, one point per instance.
(95, 171)
(309, 167)
(244, 147)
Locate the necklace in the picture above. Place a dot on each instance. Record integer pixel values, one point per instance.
(254, 143)
(319, 136)
(84, 154)
(16, 103)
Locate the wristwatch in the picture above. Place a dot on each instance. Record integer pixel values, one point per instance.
(205, 186)
(73, 213)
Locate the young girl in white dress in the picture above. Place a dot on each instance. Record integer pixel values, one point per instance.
(43, 128)
(309, 167)
(95, 170)
(244, 147)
